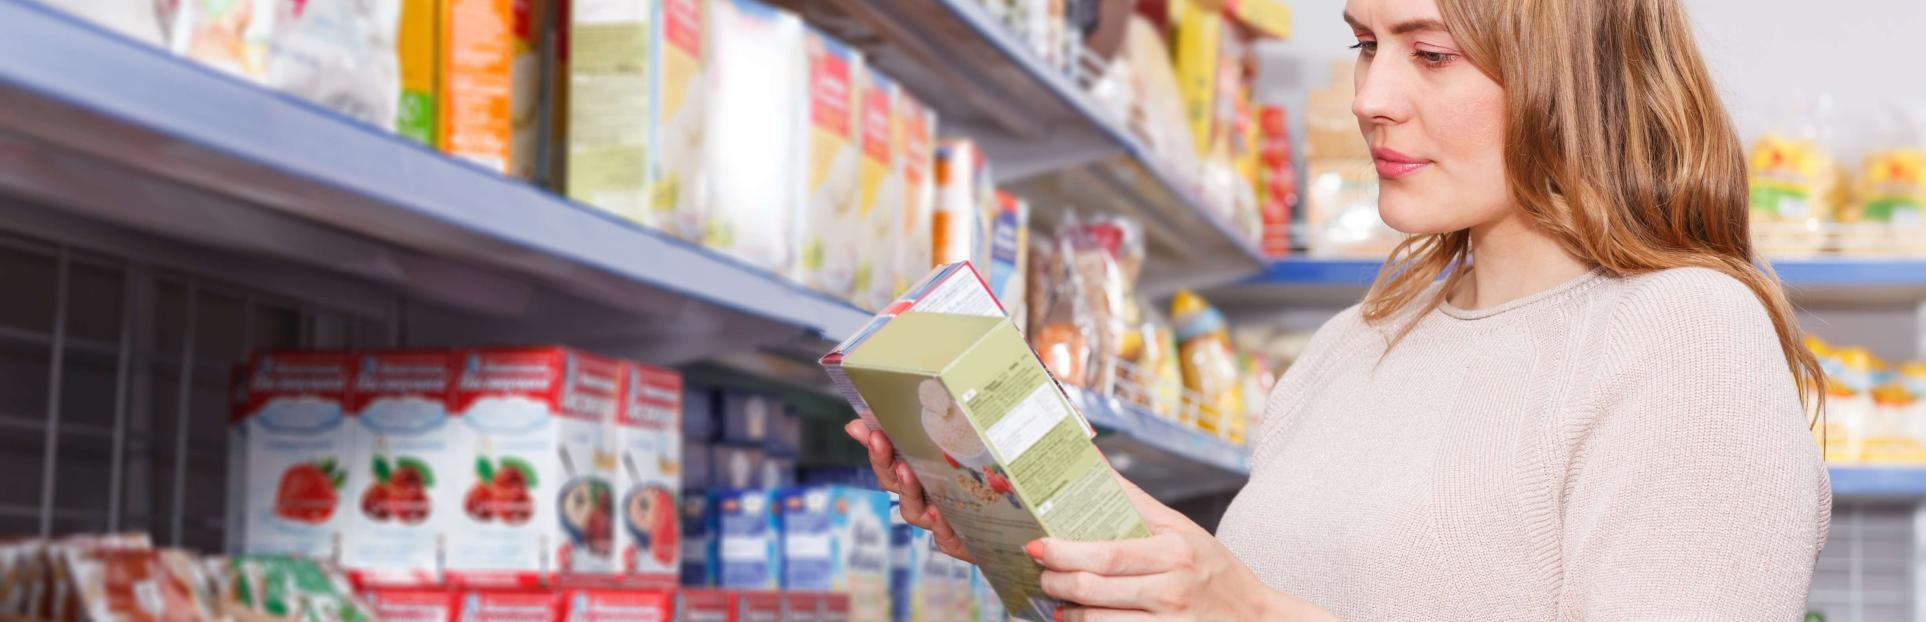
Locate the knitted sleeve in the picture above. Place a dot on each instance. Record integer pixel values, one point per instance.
(1695, 489)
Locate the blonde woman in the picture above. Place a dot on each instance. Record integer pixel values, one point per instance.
(1570, 396)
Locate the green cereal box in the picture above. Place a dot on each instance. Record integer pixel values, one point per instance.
(998, 446)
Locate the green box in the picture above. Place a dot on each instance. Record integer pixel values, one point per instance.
(998, 446)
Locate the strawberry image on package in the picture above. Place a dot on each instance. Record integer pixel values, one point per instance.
(407, 448)
(538, 497)
(298, 443)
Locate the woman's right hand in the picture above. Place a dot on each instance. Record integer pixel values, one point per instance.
(897, 477)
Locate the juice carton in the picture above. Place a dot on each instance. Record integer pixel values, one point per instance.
(618, 605)
(1009, 256)
(837, 539)
(300, 441)
(490, 83)
(915, 161)
(414, 604)
(697, 540)
(538, 500)
(648, 443)
(826, 255)
(403, 477)
(418, 47)
(759, 606)
(756, 182)
(999, 446)
(880, 195)
(519, 605)
(608, 106)
(704, 605)
(678, 99)
(747, 549)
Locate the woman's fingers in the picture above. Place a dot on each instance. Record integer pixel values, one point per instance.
(916, 508)
(1138, 556)
(1143, 593)
(946, 538)
(882, 455)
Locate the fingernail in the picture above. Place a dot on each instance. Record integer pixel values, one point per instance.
(1035, 549)
(1058, 614)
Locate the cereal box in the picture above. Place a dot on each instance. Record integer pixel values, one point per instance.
(998, 445)
(747, 547)
(826, 255)
(490, 87)
(836, 539)
(300, 443)
(755, 182)
(915, 163)
(679, 94)
(608, 106)
(403, 510)
(538, 498)
(880, 193)
(648, 443)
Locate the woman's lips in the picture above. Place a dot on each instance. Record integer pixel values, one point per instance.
(1394, 165)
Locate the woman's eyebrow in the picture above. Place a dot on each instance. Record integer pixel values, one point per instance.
(1405, 27)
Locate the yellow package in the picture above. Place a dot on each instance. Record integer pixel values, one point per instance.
(1893, 187)
(608, 111)
(679, 95)
(1198, 37)
(418, 46)
(916, 157)
(881, 193)
(1794, 193)
(827, 253)
(491, 88)
(1208, 363)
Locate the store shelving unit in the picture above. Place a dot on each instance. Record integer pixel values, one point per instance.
(111, 146)
(1879, 482)
(1170, 461)
(1046, 136)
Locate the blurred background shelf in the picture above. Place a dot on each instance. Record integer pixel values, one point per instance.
(1172, 462)
(117, 144)
(1048, 138)
(1879, 482)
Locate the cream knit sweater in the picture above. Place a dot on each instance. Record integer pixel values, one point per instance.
(1611, 449)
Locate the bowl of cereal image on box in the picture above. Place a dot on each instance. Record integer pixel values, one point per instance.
(949, 427)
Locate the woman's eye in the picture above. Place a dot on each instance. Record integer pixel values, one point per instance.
(1435, 59)
(1366, 48)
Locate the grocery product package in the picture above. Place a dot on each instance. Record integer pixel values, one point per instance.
(538, 495)
(1795, 192)
(608, 106)
(916, 153)
(988, 607)
(1079, 304)
(230, 35)
(648, 444)
(757, 71)
(678, 99)
(923, 587)
(1007, 267)
(418, 49)
(431, 604)
(613, 605)
(491, 83)
(133, 583)
(746, 540)
(758, 605)
(1061, 326)
(880, 194)
(696, 538)
(300, 443)
(837, 539)
(1893, 188)
(998, 445)
(1209, 364)
(406, 439)
(965, 199)
(826, 255)
(339, 54)
(284, 587)
(510, 605)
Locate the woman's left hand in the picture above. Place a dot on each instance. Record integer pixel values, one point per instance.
(1180, 572)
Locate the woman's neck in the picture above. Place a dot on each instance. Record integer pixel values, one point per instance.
(1512, 259)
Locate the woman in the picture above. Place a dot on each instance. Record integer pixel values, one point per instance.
(1595, 413)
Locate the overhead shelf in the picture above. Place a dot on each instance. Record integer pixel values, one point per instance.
(1831, 281)
(1878, 482)
(1046, 137)
(113, 141)
(1170, 461)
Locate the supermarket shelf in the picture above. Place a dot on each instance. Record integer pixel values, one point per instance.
(1046, 137)
(1341, 282)
(109, 139)
(1170, 461)
(1878, 482)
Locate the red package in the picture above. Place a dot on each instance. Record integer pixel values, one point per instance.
(618, 605)
(835, 607)
(701, 605)
(131, 585)
(414, 605)
(802, 607)
(759, 606)
(510, 606)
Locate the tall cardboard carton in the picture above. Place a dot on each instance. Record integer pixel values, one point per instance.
(300, 441)
(608, 106)
(916, 161)
(837, 539)
(881, 195)
(402, 480)
(754, 183)
(491, 87)
(679, 94)
(827, 253)
(648, 444)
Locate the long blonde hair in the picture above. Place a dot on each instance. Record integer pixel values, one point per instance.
(1617, 146)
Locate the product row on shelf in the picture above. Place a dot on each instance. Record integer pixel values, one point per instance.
(124, 577)
(1875, 413)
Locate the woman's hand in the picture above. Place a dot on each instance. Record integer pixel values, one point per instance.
(896, 476)
(1180, 572)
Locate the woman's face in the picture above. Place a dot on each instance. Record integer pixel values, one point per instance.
(1435, 123)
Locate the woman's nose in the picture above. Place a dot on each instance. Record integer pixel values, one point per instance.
(1380, 96)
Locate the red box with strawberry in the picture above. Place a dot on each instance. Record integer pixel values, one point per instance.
(297, 441)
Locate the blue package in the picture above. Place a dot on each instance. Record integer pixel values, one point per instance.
(746, 551)
(837, 539)
(695, 537)
(699, 414)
